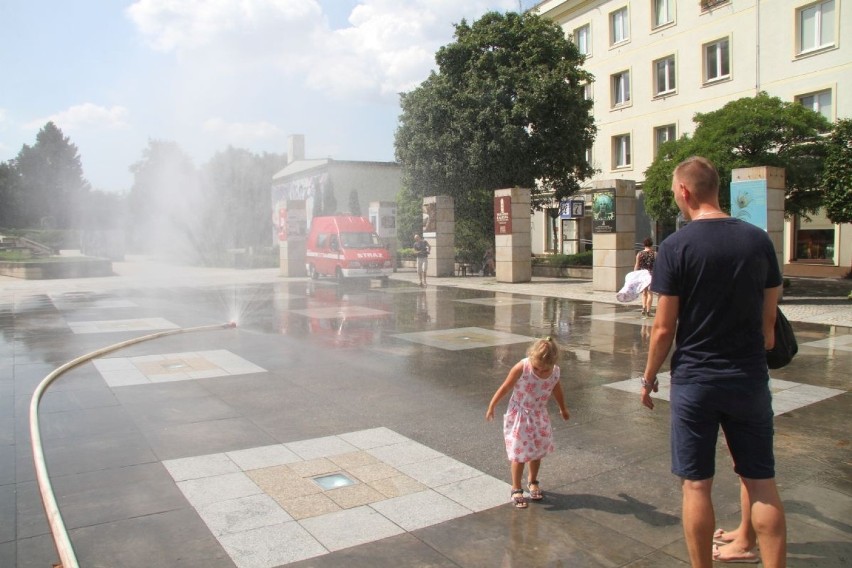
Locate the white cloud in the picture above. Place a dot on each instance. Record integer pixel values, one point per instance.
(388, 47)
(242, 132)
(83, 116)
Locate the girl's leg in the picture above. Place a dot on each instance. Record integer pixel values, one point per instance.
(517, 474)
(532, 480)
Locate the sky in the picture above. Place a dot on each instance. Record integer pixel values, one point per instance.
(208, 74)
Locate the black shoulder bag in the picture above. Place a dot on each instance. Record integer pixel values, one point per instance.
(786, 346)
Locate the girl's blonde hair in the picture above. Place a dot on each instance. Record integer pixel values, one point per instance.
(545, 351)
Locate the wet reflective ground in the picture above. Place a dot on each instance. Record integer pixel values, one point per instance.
(203, 446)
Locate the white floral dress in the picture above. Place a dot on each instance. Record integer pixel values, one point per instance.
(526, 424)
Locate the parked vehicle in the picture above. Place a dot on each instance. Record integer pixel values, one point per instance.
(346, 247)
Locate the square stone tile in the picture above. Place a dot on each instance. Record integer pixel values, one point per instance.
(837, 342)
(354, 495)
(417, 510)
(332, 312)
(266, 456)
(321, 447)
(170, 367)
(477, 493)
(501, 301)
(311, 468)
(197, 467)
(208, 490)
(349, 528)
(282, 483)
(440, 471)
(243, 514)
(404, 453)
(373, 438)
(397, 485)
(373, 472)
(112, 326)
(270, 546)
(309, 506)
(354, 459)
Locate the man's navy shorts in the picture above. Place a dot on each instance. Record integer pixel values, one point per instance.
(743, 408)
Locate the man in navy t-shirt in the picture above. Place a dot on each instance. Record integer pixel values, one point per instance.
(719, 283)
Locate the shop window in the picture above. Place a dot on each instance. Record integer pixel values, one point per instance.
(815, 238)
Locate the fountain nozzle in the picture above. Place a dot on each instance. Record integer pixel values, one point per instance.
(230, 325)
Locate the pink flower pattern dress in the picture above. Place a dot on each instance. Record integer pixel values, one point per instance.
(526, 424)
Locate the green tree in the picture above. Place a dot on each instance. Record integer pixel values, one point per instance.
(50, 183)
(237, 207)
(164, 203)
(836, 181)
(9, 208)
(504, 109)
(753, 131)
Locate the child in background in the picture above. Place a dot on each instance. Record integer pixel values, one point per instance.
(526, 424)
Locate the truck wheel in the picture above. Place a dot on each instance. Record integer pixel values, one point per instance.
(312, 272)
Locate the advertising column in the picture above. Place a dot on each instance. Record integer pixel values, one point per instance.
(613, 233)
(439, 230)
(757, 196)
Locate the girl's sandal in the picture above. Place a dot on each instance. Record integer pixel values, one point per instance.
(518, 499)
(535, 491)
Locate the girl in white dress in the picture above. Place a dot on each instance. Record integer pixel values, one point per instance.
(526, 425)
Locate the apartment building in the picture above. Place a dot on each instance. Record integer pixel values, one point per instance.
(658, 62)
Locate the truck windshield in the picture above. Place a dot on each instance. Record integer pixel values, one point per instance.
(360, 240)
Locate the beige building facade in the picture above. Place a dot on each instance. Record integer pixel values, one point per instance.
(658, 62)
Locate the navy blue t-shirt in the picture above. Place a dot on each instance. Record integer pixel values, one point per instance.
(719, 268)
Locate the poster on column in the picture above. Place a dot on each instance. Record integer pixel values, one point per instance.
(603, 211)
(503, 215)
(296, 221)
(748, 201)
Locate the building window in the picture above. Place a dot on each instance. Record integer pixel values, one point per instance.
(619, 26)
(816, 26)
(815, 238)
(710, 4)
(663, 134)
(663, 12)
(583, 40)
(621, 151)
(621, 89)
(587, 91)
(717, 62)
(819, 102)
(664, 76)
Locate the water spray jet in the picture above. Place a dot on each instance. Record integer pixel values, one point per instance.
(51, 508)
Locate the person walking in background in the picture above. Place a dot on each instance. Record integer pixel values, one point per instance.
(422, 248)
(718, 282)
(527, 432)
(645, 261)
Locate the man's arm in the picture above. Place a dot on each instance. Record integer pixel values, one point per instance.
(770, 303)
(662, 337)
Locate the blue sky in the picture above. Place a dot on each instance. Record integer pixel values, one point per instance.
(207, 74)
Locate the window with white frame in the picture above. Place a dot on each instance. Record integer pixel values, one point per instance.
(619, 26)
(663, 12)
(621, 151)
(717, 60)
(816, 26)
(583, 39)
(664, 76)
(663, 134)
(819, 102)
(587, 91)
(621, 89)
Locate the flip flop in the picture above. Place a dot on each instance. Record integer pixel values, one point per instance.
(746, 558)
(718, 537)
(518, 499)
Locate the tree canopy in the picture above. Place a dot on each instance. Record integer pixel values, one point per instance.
(49, 182)
(754, 131)
(504, 109)
(837, 173)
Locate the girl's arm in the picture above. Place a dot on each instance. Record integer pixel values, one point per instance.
(636, 265)
(506, 387)
(560, 401)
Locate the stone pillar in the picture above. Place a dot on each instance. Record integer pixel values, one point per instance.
(613, 233)
(292, 235)
(512, 238)
(757, 196)
(439, 230)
